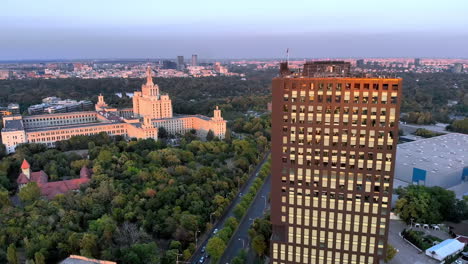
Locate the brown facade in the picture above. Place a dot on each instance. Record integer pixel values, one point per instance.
(333, 151)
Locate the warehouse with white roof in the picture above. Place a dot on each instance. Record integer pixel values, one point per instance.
(438, 161)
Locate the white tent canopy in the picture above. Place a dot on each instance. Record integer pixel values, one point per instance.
(444, 249)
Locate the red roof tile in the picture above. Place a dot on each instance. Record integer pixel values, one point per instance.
(463, 239)
(22, 179)
(40, 177)
(25, 165)
(51, 189)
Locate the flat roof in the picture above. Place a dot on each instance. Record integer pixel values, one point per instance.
(71, 126)
(13, 125)
(59, 114)
(444, 153)
(183, 116)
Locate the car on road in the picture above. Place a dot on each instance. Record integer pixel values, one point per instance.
(203, 249)
(202, 259)
(215, 231)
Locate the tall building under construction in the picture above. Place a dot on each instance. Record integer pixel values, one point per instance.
(333, 150)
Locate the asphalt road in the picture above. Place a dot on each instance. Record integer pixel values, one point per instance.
(240, 239)
(220, 223)
(406, 253)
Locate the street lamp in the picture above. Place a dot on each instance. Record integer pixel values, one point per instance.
(211, 216)
(412, 222)
(177, 257)
(243, 242)
(196, 238)
(263, 196)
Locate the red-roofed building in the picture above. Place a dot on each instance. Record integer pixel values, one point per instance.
(25, 165)
(463, 239)
(51, 189)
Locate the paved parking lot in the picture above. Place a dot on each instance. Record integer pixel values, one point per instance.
(406, 253)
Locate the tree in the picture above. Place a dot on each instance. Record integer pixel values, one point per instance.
(460, 126)
(227, 136)
(4, 198)
(88, 245)
(141, 253)
(259, 245)
(215, 247)
(429, 205)
(2, 151)
(391, 253)
(162, 132)
(39, 258)
(241, 257)
(12, 255)
(210, 135)
(30, 193)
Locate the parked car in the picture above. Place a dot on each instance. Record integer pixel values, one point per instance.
(202, 259)
(203, 249)
(215, 231)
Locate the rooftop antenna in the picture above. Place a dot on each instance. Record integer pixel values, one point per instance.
(287, 56)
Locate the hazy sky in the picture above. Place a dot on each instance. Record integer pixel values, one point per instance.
(67, 29)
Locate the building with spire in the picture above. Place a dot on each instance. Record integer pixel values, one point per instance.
(151, 110)
(149, 102)
(51, 189)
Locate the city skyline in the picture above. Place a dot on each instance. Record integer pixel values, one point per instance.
(262, 29)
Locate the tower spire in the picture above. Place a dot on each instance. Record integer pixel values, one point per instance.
(149, 76)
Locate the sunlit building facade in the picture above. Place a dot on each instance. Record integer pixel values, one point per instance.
(333, 150)
(151, 111)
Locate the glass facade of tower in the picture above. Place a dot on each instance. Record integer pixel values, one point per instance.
(333, 151)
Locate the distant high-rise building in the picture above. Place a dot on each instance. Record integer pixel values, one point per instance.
(457, 68)
(194, 60)
(417, 62)
(360, 63)
(180, 63)
(333, 150)
(167, 64)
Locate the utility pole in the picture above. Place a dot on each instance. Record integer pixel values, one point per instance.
(196, 238)
(211, 216)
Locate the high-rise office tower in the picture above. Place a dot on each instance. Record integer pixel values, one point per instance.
(180, 63)
(457, 68)
(194, 60)
(333, 150)
(417, 62)
(360, 63)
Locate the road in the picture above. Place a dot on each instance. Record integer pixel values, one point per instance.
(406, 252)
(240, 239)
(204, 239)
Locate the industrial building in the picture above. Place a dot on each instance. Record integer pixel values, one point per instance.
(438, 161)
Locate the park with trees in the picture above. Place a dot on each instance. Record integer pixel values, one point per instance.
(145, 203)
